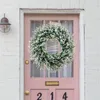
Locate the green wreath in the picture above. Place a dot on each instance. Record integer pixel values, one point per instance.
(40, 54)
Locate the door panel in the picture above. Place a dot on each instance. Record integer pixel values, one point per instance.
(68, 76)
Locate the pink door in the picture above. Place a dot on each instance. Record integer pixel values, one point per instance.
(44, 84)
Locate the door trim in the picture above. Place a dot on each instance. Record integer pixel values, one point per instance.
(23, 11)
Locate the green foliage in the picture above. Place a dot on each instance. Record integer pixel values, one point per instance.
(39, 53)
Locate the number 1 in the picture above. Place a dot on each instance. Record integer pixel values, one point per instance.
(51, 95)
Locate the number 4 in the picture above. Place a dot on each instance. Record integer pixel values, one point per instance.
(65, 96)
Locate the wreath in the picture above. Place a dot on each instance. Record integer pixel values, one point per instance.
(38, 42)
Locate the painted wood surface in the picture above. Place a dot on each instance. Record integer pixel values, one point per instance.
(68, 88)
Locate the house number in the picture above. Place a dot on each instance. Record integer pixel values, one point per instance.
(39, 96)
(51, 95)
(64, 97)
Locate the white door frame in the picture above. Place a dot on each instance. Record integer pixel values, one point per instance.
(21, 43)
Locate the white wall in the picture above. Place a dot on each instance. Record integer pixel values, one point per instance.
(9, 44)
(92, 51)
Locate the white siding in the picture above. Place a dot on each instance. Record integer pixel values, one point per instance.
(92, 51)
(42, 4)
(9, 44)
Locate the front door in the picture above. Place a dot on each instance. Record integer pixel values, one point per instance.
(51, 85)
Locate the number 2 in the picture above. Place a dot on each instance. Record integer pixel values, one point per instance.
(40, 95)
(65, 96)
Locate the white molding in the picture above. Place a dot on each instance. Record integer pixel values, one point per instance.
(81, 24)
(21, 55)
(51, 11)
(21, 42)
